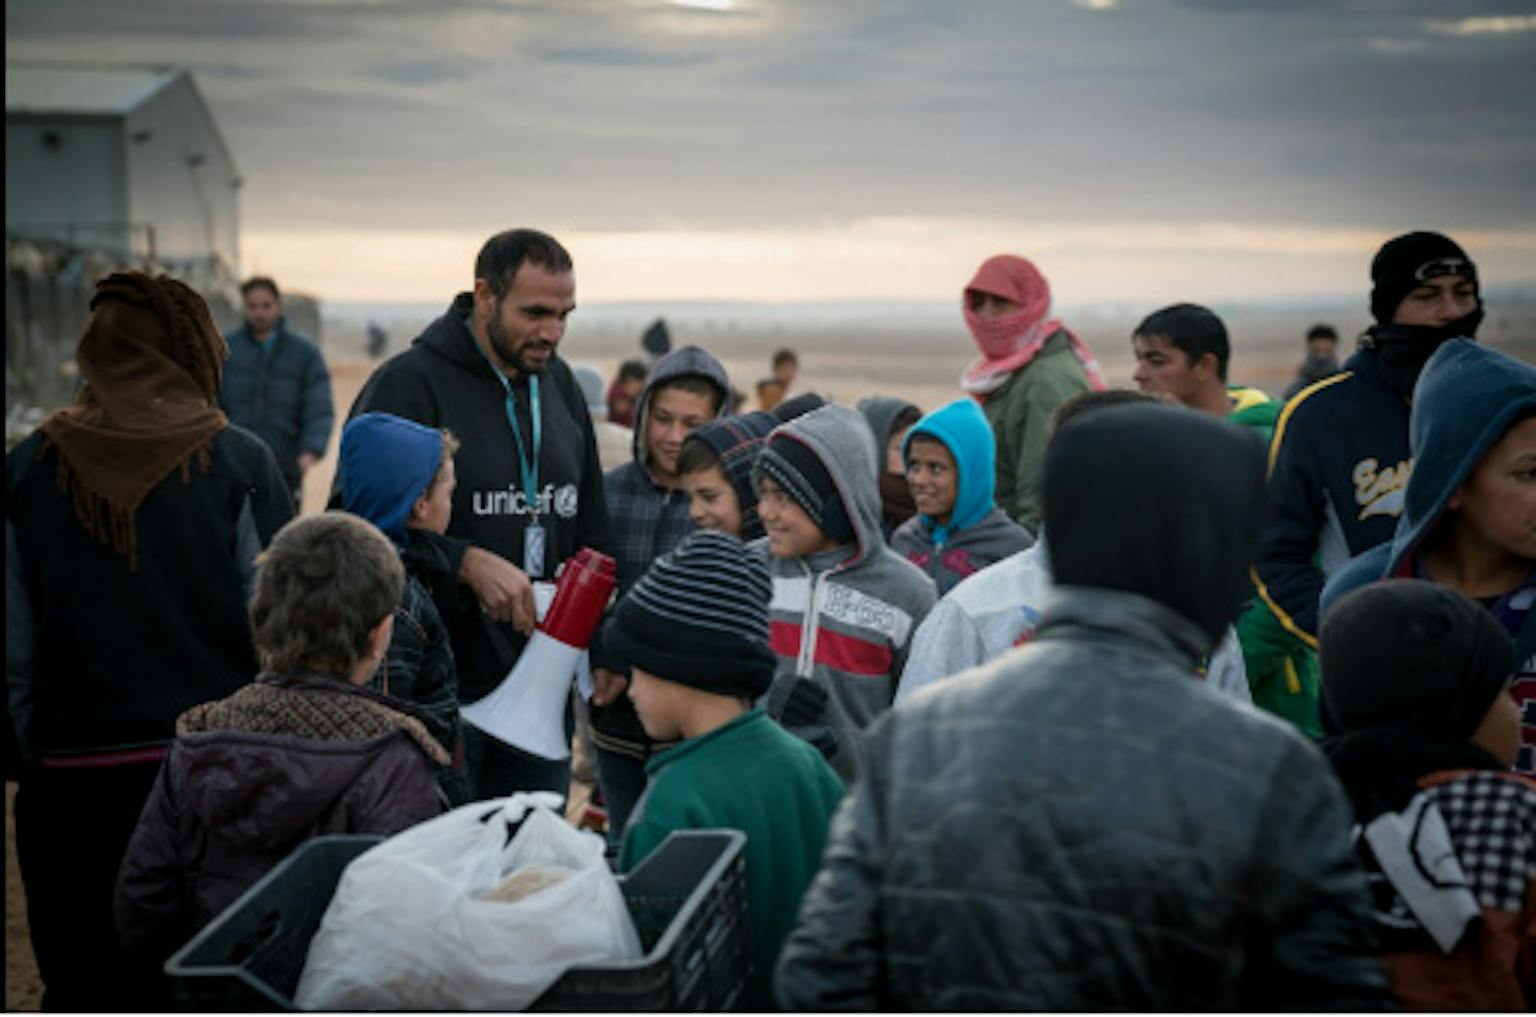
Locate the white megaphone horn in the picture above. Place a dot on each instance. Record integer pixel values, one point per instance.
(527, 710)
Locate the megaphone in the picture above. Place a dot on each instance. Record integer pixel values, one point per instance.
(527, 710)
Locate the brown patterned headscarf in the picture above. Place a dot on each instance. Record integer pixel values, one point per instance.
(151, 360)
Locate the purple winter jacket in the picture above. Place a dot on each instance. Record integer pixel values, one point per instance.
(249, 779)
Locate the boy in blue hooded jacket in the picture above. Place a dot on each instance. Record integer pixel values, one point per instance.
(958, 530)
(399, 475)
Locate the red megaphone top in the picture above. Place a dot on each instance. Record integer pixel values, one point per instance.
(581, 595)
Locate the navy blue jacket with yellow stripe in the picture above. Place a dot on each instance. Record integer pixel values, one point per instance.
(1338, 466)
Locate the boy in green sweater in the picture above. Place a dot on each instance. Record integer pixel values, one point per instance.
(695, 631)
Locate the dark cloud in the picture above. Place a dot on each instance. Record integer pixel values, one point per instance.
(420, 72)
(624, 114)
(616, 56)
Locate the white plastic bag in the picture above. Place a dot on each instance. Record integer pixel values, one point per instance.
(407, 929)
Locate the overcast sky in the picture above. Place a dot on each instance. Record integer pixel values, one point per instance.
(824, 149)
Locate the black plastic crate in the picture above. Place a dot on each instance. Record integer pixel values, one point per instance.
(688, 901)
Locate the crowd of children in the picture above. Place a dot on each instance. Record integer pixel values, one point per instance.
(978, 766)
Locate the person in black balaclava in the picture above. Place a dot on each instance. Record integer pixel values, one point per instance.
(656, 341)
(1425, 291)
(1321, 361)
(1340, 458)
(1087, 795)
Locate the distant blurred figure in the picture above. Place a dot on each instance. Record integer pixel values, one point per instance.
(656, 340)
(378, 340)
(623, 393)
(276, 384)
(1030, 364)
(1322, 359)
(774, 390)
(613, 441)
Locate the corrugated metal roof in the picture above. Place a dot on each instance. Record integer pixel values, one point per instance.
(63, 88)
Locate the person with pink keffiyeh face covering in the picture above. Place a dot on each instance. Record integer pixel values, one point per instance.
(1030, 363)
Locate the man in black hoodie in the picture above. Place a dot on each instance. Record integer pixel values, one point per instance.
(530, 487)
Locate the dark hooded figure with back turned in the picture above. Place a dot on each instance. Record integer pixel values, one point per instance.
(133, 519)
(1108, 832)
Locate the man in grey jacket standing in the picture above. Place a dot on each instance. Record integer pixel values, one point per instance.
(276, 384)
(1081, 825)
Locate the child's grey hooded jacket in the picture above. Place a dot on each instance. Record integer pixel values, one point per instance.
(868, 600)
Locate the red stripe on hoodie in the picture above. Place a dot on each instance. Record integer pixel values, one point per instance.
(840, 652)
(784, 638)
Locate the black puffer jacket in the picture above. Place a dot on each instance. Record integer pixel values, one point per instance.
(1138, 842)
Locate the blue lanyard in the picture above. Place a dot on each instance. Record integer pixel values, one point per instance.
(530, 469)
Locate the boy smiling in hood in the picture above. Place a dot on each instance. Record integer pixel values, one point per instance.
(844, 604)
(959, 530)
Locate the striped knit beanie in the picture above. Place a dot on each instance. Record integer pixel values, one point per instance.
(736, 442)
(792, 465)
(699, 617)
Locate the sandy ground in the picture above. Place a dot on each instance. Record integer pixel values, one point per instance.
(920, 367)
(23, 991)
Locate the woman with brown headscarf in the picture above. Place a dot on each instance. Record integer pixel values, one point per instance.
(132, 519)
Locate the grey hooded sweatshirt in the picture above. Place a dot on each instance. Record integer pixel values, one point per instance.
(649, 519)
(844, 618)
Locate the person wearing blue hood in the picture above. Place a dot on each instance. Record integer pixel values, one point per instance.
(399, 475)
(958, 530)
(1469, 517)
(1339, 460)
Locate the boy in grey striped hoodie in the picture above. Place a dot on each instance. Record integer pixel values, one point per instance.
(844, 604)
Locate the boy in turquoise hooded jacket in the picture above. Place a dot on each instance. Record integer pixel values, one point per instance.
(950, 457)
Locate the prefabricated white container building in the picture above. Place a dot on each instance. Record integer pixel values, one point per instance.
(122, 159)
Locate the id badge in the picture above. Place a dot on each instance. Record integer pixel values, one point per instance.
(533, 550)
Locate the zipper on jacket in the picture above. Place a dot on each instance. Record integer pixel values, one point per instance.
(807, 662)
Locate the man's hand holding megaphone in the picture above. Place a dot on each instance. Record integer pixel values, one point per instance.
(503, 589)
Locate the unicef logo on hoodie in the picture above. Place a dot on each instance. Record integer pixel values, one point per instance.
(566, 501)
(512, 502)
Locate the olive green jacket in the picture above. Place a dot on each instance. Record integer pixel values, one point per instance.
(1020, 414)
